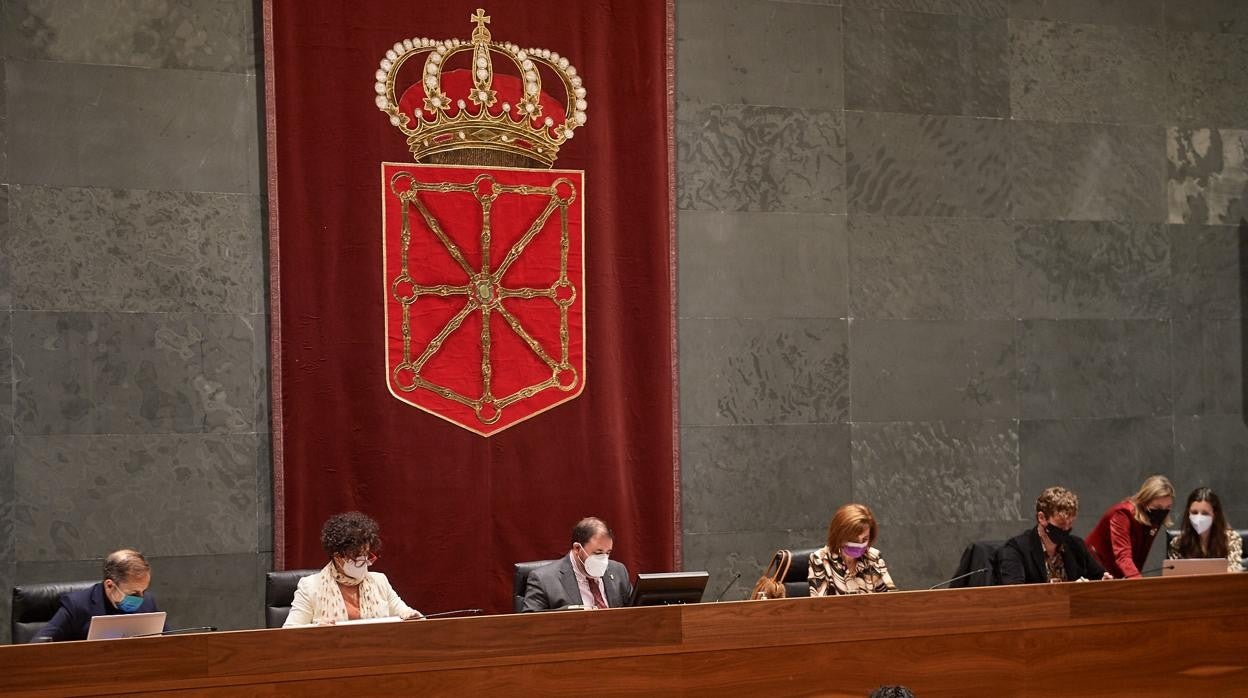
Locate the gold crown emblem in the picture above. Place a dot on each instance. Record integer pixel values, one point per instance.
(463, 106)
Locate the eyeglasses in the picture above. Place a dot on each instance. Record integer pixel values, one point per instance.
(363, 560)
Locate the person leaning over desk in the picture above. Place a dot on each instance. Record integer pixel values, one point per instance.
(1121, 539)
(1205, 532)
(848, 564)
(344, 589)
(1048, 551)
(123, 590)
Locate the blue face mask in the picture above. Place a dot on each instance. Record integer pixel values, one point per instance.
(130, 603)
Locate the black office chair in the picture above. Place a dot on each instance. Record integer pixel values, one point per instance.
(1171, 534)
(279, 593)
(522, 573)
(795, 582)
(980, 562)
(35, 604)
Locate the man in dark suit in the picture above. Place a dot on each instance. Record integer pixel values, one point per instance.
(1048, 551)
(586, 576)
(124, 590)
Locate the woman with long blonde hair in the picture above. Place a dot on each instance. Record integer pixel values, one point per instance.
(1122, 538)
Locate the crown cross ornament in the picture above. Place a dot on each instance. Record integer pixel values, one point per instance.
(458, 102)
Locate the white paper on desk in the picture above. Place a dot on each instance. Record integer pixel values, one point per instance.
(367, 621)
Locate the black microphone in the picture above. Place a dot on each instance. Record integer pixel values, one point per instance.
(960, 576)
(464, 611)
(725, 591)
(182, 631)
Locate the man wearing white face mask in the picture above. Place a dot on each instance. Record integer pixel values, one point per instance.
(586, 576)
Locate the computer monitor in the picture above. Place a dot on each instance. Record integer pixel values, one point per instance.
(1199, 565)
(661, 588)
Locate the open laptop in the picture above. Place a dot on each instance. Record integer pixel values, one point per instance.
(125, 625)
(1200, 565)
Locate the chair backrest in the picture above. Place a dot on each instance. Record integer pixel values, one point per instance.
(522, 573)
(795, 582)
(279, 593)
(1171, 534)
(35, 604)
(980, 562)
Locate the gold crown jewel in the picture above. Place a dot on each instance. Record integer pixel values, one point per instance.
(471, 108)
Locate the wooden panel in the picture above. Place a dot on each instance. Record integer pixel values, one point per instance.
(1145, 637)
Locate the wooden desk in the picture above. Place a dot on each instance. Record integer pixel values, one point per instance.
(1161, 637)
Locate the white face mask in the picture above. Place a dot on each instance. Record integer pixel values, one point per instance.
(1201, 522)
(596, 565)
(354, 570)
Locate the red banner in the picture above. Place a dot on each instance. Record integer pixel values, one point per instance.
(475, 356)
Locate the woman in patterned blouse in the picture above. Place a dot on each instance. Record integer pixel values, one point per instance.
(1206, 533)
(848, 564)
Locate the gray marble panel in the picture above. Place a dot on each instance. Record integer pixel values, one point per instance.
(167, 494)
(909, 165)
(130, 128)
(1210, 271)
(926, 64)
(1211, 452)
(260, 371)
(762, 477)
(1082, 269)
(1123, 12)
(1208, 175)
(1210, 16)
(8, 567)
(725, 555)
(225, 591)
(744, 51)
(4, 127)
(972, 8)
(773, 371)
(264, 494)
(46, 572)
(931, 268)
(937, 473)
(152, 34)
(1095, 369)
(132, 373)
(6, 373)
(6, 262)
(145, 251)
(1208, 79)
(1208, 367)
(1084, 72)
(1101, 460)
(920, 555)
(762, 265)
(747, 158)
(928, 370)
(1087, 172)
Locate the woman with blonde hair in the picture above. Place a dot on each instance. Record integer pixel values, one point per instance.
(1122, 538)
(848, 564)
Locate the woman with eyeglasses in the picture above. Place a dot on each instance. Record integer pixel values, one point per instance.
(1205, 532)
(345, 589)
(1122, 538)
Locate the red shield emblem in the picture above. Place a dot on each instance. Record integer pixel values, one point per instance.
(484, 290)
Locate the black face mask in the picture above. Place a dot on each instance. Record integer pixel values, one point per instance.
(1158, 516)
(1057, 535)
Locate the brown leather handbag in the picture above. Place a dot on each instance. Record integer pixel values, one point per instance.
(771, 584)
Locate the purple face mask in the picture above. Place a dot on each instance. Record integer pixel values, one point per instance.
(854, 551)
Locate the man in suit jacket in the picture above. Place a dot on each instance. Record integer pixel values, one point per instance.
(586, 576)
(1048, 551)
(124, 590)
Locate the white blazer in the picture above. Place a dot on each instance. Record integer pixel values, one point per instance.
(303, 609)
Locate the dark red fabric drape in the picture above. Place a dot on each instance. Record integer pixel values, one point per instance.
(457, 509)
